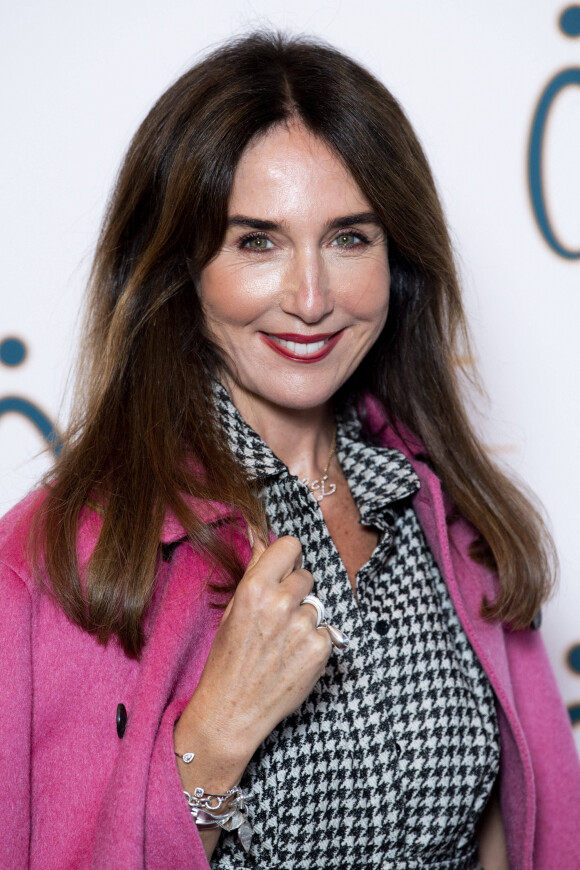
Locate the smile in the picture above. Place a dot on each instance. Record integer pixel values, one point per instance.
(302, 348)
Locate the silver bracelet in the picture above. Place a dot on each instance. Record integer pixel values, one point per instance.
(227, 811)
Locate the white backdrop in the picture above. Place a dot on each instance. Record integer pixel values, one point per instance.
(77, 78)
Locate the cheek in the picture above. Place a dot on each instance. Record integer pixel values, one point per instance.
(381, 281)
(220, 296)
(233, 295)
(370, 303)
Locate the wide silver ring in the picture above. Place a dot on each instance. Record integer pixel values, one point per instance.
(318, 606)
(337, 637)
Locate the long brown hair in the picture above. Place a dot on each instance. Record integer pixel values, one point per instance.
(144, 435)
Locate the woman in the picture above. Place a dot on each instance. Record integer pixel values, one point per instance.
(270, 418)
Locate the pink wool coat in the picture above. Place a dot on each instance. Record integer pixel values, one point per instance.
(74, 795)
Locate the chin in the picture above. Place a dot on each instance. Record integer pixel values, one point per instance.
(292, 400)
(284, 392)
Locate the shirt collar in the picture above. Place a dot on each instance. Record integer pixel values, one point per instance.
(377, 476)
(250, 450)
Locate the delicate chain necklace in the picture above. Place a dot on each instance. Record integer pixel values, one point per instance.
(318, 487)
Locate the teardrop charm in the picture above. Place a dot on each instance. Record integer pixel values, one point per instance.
(245, 835)
(338, 638)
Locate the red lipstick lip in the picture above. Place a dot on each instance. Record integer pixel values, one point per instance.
(333, 339)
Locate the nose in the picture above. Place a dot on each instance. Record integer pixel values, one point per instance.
(308, 292)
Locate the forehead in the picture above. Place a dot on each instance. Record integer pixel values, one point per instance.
(289, 169)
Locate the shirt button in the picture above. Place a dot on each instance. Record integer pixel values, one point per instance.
(381, 627)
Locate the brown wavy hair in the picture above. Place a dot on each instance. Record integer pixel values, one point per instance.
(144, 434)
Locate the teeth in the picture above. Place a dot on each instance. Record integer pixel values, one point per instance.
(298, 348)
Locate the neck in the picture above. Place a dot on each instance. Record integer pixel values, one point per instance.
(301, 438)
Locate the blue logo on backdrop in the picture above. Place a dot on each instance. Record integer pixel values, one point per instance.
(570, 26)
(12, 354)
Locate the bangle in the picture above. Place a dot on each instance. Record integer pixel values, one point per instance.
(227, 811)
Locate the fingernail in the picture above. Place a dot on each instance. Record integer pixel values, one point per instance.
(250, 536)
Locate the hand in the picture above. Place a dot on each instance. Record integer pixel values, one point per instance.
(266, 657)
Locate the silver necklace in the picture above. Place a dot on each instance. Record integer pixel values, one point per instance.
(318, 487)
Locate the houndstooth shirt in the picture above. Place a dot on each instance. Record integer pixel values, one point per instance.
(390, 761)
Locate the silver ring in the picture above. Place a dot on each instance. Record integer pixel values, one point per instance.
(318, 605)
(337, 637)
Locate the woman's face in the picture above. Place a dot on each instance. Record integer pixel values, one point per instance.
(298, 292)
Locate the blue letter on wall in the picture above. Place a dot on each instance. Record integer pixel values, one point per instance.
(35, 415)
(562, 80)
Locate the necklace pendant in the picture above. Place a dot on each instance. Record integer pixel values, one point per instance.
(323, 491)
(317, 487)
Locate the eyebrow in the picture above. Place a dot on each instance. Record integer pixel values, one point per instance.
(364, 217)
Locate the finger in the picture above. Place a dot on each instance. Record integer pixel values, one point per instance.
(310, 614)
(275, 565)
(300, 582)
(322, 629)
(318, 616)
(257, 544)
(226, 612)
(277, 561)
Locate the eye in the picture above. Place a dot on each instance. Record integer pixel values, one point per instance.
(350, 239)
(256, 242)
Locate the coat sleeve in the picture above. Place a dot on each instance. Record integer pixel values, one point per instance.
(119, 803)
(144, 823)
(555, 763)
(171, 836)
(170, 832)
(15, 719)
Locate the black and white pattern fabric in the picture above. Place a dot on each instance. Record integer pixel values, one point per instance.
(391, 759)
